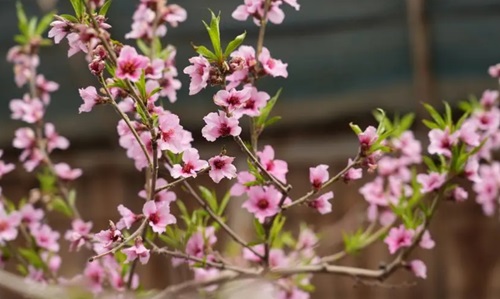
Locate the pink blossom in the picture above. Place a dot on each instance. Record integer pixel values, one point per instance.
(137, 251)
(174, 14)
(221, 167)
(78, 234)
(130, 64)
(489, 120)
(94, 275)
(31, 156)
(199, 72)
(128, 218)
(318, 175)
(142, 26)
(171, 133)
(154, 69)
(8, 225)
(240, 188)
(494, 71)
(418, 268)
(75, 44)
(353, 173)
(201, 240)
(202, 274)
(262, 202)
(257, 101)
(191, 164)
(398, 238)
(273, 67)
(292, 3)
(277, 168)
(240, 75)
(431, 181)
(220, 125)
(469, 135)
(45, 237)
(410, 147)
(53, 261)
(28, 110)
(367, 138)
(44, 87)
(106, 238)
(489, 98)
(169, 86)
(90, 98)
(5, 167)
(232, 100)
(322, 203)
(441, 142)
(162, 197)
(426, 241)
(459, 194)
(54, 140)
(158, 215)
(31, 216)
(252, 257)
(243, 11)
(64, 172)
(59, 30)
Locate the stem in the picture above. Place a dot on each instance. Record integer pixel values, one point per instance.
(218, 265)
(132, 237)
(180, 180)
(217, 219)
(255, 161)
(311, 193)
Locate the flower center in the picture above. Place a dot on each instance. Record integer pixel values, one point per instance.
(187, 168)
(3, 226)
(263, 203)
(219, 164)
(128, 67)
(224, 130)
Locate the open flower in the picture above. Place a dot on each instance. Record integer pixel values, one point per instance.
(137, 251)
(431, 181)
(262, 202)
(322, 203)
(191, 164)
(158, 215)
(418, 268)
(130, 64)
(277, 168)
(318, 175)
(220, 125)
(221, 167)
(199, 72)
(273, 67)
(64, 172)
(90, 98)
(399, 237)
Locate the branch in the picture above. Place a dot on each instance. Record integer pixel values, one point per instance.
(122, 243)
(180, 180)
(311, 193)
(255, 161)
(218, 265)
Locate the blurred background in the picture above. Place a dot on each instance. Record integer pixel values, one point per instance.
(345, 58)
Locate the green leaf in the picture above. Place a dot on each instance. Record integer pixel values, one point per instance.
(435, 115)
(47, 181)
(78, 7)
(22, 19)
(143, 47)
(259, 229)
(59, 205)
(32, 257)
(223, 204)
(72, 198)
(431, 125)
(430, 164)
(448, 114)
(209, 197)
(44, 23)
(406, 122)
(264, 114)
(104, 8)
(205, 52)
(355, 128)
(277, 227)
(70, 18)
(214, 33)
(235, 43)
(32, 26)
(272, 121)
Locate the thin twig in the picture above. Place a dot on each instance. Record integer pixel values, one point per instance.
(255, 161)
(332, 180)
(180, 180)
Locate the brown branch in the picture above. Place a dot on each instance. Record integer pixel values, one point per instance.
(313, 192)
(255, 161)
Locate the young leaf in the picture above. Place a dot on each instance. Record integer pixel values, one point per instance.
(224, 202)
(209, 197)
(104, 8)
(261, 120)
(205, 52)
(435, 115)
(22, 19)
(235, 43)
(214, 33)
